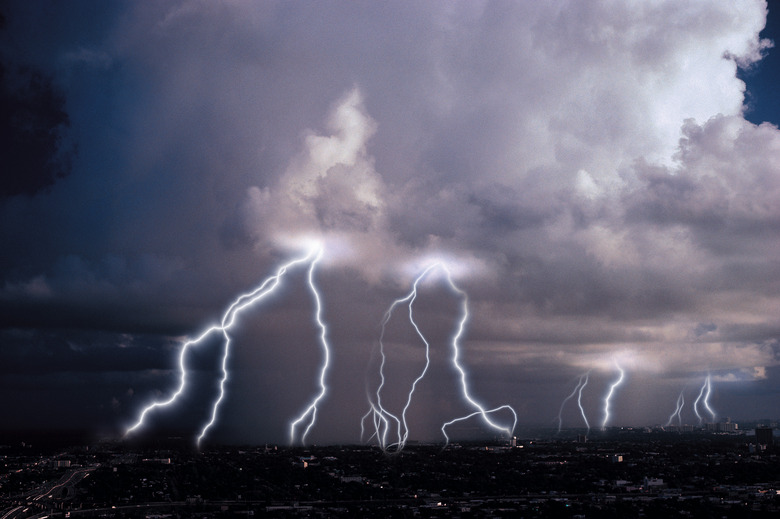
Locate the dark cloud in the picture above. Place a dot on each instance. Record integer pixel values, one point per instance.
(704, 328)
(33, 132)
(36, 351)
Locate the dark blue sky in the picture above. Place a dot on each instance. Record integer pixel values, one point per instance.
(587, 172)
(763, 78)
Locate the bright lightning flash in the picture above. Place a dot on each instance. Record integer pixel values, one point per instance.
(581, 383)
(464, 385)
(579, 403)
(677, 411)
(611, 391)
(704, 397)
(707, 399)
(383, 419)
(311, 410)
(229, 318)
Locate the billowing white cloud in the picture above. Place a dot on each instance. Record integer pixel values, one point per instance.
(331, 186)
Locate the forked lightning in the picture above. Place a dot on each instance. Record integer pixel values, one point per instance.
(384, 421)
(229, 318)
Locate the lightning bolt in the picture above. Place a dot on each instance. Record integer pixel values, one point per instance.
(677, 411)
(311, 409)
(696, 402)
(229, 318)
(579, 403)
(382, 419)
(581, 383)
(484, 413)
(707, 399)
(464, 385)
(704, 396)
(571, 395)
(609, 395)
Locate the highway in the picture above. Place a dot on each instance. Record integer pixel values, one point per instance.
(43, 498)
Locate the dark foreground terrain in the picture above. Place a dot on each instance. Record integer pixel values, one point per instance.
(623, 475)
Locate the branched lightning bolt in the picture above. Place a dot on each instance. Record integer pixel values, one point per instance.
(581, 383)
(228, 319)
(704, 396)
(696, 402)
(677, 411)
(382, 418)
(464, 385)
(609, 395)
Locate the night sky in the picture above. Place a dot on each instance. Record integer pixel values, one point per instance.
(601, 178)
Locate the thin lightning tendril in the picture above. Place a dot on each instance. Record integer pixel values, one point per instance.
(609, 395)
(581, 382)
(228, 319)
(571, 395)
(677, 411)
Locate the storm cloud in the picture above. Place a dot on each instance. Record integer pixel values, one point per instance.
(585, 168)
